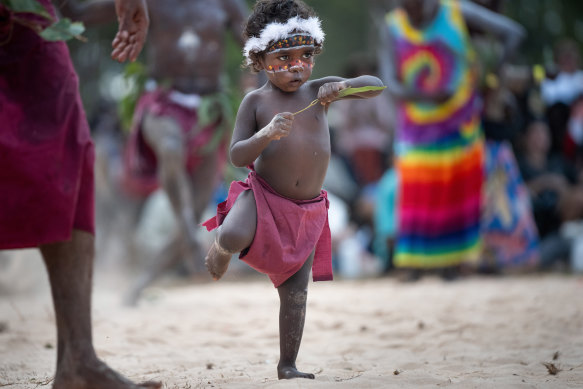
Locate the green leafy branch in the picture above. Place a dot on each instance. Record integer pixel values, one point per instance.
(61, 30)
(345, 92)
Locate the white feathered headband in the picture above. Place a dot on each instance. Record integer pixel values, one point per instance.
(275, 32)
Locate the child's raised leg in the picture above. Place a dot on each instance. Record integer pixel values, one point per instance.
(234, 235)
(293, 295)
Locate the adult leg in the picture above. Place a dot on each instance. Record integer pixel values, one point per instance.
(70, 269)
(166, 259)
(165, 137)
(293, 295)
(234, 235)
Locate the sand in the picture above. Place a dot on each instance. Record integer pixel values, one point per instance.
(478, 332)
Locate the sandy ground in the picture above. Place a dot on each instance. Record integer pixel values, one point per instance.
(479, 332)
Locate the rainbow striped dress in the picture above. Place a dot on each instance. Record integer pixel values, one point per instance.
(439, 146)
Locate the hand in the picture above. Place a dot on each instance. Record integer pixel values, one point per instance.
(280, 126)
(329, 92)
(133, 20)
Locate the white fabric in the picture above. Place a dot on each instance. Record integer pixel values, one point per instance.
(565, 88)
(277, 31)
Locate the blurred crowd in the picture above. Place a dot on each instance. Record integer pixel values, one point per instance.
(531, 212)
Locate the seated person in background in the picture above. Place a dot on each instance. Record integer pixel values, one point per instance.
(560, 89)
(554, 188)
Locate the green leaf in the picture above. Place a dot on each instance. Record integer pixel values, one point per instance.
(345, 92)
(62, 30)
(351, 91)
(30, 6)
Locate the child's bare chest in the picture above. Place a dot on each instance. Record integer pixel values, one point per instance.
(309, 129)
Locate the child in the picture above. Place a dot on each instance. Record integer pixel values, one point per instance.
(277, 219)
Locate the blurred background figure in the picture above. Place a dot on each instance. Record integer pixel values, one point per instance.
(386, 215)
(510, 238)
(362, 135)
(562, 86)
(181, 122)
(556, 192)
(429, 66)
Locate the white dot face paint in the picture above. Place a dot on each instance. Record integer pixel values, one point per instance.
(189, 42)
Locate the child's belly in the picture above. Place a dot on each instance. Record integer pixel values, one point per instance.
(295, 168)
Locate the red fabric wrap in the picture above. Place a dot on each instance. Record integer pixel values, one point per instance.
(46, 153)
(287, 231)
(140, 162)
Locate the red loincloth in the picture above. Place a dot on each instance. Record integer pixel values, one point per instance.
(287, 231)
(140, 162)
(46, 153)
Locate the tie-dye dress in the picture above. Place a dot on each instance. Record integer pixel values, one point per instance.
(439, 146)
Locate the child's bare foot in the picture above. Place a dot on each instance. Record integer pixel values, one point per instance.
(95, 375)
(289, 372)
(217, 260)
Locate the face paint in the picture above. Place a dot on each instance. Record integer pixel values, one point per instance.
(297, 65)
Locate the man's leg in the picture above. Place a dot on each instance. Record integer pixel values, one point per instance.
(70, 269)
(170, 256)
(293, 295)
(164, 135)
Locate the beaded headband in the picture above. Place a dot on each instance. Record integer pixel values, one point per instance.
(291, 42)
(275, 33)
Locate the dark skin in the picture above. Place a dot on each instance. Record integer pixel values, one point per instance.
(186, 37)
(186, 49)
(70, 269)
(421, 13)
(291, 153)
(133, 22)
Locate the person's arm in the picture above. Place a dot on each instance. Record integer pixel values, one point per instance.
(246, 143)
(506, 30)
(133, 20)
(330, 87)
(388, 72)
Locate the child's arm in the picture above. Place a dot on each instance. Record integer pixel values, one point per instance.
(247, 143)
(330, 87)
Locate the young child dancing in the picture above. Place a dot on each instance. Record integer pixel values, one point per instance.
(278, 218)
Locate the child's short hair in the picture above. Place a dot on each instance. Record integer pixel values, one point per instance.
(266, 12)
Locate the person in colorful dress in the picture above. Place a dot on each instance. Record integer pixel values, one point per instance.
(278, 218)
(46, 180)
(429, 67)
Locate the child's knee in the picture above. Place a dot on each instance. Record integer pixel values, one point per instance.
(232, 239)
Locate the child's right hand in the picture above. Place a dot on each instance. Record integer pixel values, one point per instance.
(280, 126)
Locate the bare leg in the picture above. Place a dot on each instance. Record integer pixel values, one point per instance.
(70, 269)
(293, 295)
(164, 260)
(234, 235)
(165, 137)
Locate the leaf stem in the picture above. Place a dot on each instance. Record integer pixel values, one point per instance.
(309, 106)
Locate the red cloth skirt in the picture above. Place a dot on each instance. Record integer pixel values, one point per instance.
(140, 176)
(287, 231)
(46, 153)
